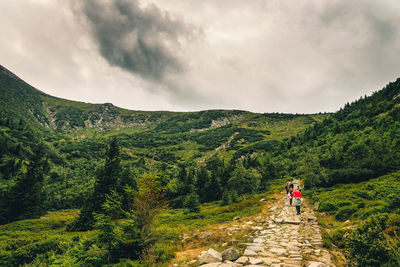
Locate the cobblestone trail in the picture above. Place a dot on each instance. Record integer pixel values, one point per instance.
(286, 240)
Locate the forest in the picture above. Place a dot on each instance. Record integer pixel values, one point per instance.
(92, 185)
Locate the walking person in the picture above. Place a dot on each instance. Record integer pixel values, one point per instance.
(287, 188)
(297, 199)
(290, 196)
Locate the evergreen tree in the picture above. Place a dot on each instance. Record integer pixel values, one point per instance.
(25, 198)
(106, 181)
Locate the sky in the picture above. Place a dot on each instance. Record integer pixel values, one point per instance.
(303, 56)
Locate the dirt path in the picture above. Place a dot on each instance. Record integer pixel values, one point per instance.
(284, 240)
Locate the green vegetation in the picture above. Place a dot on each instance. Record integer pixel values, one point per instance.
(58, 154)
(363, 219)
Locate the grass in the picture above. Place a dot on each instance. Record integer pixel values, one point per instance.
(44, 240)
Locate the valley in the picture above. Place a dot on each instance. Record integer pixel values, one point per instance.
(94, 184)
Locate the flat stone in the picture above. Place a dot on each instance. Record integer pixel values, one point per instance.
(279, 251)
(249, 252)
(316, 264)
(242, 260)
(270, 260)
(266, 254)
(254, 261)
(256, 249)
(259, 240)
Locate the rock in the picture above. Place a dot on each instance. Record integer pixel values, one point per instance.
(278, 251)
(192, 262)
(270, 260)
(249, 252)
(236, 218)
(255, 248)
(214, 264)
(316, 264)
(254, 261)
(230, 254)
(242, 260)
(219, 264)
(205, 235)
(210, 256)
(259, 240)
(249, 223)
(224, 244)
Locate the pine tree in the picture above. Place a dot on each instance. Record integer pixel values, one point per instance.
(25, 198)
(106, 181)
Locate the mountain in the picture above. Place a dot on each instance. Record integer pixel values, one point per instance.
(58, 154)
(75, 136)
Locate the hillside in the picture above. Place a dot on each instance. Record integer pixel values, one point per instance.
(75, 134)
(60, 154)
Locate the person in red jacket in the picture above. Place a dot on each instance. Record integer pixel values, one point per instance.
(297, 199)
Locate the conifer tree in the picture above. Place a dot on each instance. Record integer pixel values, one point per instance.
(106, 181)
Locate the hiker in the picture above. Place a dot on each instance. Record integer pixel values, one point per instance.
(287, 188)
(297, 199)
(291, 185)
(290, 196)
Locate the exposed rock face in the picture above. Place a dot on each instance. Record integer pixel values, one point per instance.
(210, 256)
(230, 254)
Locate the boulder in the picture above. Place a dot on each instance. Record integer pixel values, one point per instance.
(210, 256)
(230, 254)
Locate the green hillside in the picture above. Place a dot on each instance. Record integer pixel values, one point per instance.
(58, 154)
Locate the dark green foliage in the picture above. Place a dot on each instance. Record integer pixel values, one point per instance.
(106, 181)
(244, 180)
(25, 198)
(192, 203)
(368, 244)
(345, 212)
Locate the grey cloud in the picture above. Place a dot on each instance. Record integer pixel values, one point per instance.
(142, 40)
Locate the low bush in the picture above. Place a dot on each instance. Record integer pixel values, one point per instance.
(367, 245)
(327, 207)
(345, 212)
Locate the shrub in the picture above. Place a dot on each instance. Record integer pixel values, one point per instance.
(338, 239)
(162, 253)
(367, 245)
(327, 206)
(345, 212)
(371, 211)
(394, 203)
(192, 203)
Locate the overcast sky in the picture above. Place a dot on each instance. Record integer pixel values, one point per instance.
(302, 56)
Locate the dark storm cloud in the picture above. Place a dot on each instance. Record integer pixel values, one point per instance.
(142, 40)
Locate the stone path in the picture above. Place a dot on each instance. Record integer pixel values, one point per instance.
(285, 240)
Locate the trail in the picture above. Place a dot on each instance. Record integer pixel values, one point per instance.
(284, 240)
